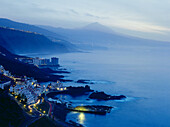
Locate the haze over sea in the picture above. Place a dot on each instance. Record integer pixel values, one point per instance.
(142, 73)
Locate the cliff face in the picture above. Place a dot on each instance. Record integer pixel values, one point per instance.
(18, 41)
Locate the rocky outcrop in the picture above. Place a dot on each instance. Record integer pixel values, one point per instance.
(104, 96)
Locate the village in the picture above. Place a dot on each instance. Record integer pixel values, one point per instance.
(36, 99)
(28, 89)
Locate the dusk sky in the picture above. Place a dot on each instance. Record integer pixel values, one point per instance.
(143, 18)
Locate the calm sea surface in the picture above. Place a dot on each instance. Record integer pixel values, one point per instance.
(141, 73)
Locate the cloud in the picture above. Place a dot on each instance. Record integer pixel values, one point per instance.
(93, 16)
(142, 26)
(73, 11)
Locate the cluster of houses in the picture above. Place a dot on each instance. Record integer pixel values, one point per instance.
(4, 72)
(56, 86)
(40, 61)
(28, 87)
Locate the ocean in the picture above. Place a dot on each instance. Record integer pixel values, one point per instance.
(142, 73)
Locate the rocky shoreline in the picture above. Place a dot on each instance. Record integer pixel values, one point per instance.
(73, 91)
(104, 96)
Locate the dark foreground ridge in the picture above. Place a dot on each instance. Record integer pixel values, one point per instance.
(9, 62)
(104, 96)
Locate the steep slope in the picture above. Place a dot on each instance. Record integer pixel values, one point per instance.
(58, 39)
(28, 42)
(26, 27)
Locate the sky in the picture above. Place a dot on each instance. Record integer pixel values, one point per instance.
(143, 18)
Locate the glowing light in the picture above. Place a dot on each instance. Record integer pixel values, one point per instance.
(81, 118)
(16, 96)
(24, 106)
(65, 88)
(44, 112)
(58, 89)
(40, 114)
(30, 110)
(81, 108)
(61, 89)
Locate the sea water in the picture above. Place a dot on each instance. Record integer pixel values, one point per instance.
(141, 73)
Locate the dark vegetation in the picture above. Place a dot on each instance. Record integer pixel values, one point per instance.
(10, 112)
(45, 122)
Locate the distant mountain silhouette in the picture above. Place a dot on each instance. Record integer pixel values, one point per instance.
(98, 27)
(49, 36)
(97, 36)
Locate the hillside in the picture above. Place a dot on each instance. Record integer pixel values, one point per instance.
(8, 61)
(27, 42)
(11, 114)
(27, 27)
(59, 40)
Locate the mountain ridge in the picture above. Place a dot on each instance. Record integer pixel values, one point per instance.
(18, 41)
(91, 38)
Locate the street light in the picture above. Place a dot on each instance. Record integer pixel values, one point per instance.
(44, 112)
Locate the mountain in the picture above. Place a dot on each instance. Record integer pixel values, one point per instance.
(18, 41)
(97, 36)
(56, 38)
(27, 27)
(98, 27)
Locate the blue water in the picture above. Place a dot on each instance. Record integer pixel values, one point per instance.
(141, 73)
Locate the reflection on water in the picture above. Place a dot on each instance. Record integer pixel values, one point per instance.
(81, 118)
(140, 73)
